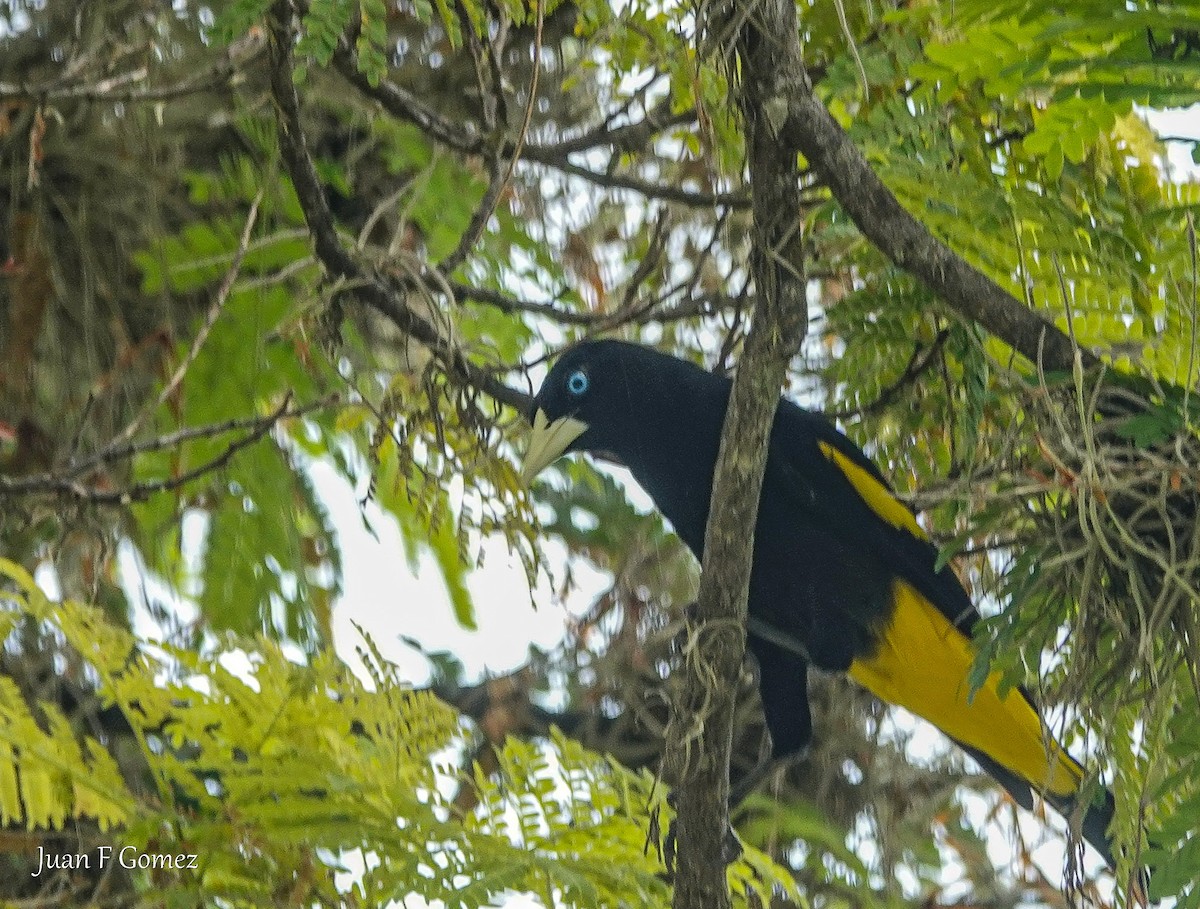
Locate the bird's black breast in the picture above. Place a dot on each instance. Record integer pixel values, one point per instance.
(831, 593)
(811, 581)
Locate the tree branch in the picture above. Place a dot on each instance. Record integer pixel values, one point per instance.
(811, 130)
(124, 87)
(403, 105)
(780, 317)
(381, 293)
(627, 138)
(650, 189)
(693, 306)
(68, 483)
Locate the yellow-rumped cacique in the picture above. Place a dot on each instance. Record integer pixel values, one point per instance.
(844, 578)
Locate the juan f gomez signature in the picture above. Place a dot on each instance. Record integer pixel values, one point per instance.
(127, 857)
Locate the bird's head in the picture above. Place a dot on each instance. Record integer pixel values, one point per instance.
(584, 402)
(615, 399)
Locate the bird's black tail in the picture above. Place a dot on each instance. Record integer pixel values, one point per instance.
(1096, 821)
(1094, 829)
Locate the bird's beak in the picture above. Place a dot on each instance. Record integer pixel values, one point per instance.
(548, 441)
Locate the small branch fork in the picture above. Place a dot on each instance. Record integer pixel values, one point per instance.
(403, 105)
(84, 482)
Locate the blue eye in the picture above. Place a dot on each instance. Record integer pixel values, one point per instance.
(577, 382)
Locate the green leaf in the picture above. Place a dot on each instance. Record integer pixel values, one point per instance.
(1152, 426)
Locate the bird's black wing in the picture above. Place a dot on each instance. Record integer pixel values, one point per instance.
(844, 490)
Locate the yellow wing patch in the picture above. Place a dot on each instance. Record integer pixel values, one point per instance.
(923, 663)
(874, 493)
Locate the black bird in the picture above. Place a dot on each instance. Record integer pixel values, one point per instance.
(844, 578)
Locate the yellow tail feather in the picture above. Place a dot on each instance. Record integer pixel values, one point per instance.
(923, 663)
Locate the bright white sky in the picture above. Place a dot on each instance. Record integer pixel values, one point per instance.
(388, 602)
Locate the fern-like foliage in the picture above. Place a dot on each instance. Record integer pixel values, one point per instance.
(279, 776)
(47, 775)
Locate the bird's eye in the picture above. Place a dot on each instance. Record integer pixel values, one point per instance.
(577, 382)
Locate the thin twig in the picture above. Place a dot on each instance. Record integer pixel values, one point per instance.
(496, 183)
(210, 319)
(650, 261)
(1193, 302)
(840, 5)
(117, 88)
(169, 440)
(663, 192)
(68, 483)
(523, 134)
(918, 363)
(630, 137)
